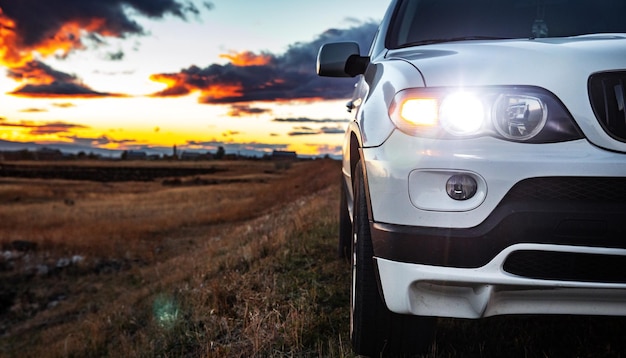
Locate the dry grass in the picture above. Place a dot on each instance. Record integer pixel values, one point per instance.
(112, 219)
(184, 271)
(239, 269)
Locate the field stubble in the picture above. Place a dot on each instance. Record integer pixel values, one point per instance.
(204, 267)
(239, 263)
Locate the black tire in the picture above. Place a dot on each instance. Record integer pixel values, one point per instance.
(344, 249)
(375, 330)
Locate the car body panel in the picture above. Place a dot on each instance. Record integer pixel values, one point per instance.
(420, 234)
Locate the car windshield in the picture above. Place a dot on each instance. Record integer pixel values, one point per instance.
(430, 21)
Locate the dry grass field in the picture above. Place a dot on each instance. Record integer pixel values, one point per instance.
(236, 262)
(169, 267)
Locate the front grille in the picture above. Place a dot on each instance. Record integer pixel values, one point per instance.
(607, 92)
(567, 266)
(570, 189)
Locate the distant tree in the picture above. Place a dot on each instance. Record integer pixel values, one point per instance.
(124, 155)
(25, 154)
(220, 153)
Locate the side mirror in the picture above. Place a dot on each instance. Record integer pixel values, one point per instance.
(341, 59)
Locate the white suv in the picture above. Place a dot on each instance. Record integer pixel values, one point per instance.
(485, 168)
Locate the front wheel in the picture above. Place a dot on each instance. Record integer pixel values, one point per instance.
(374, 330)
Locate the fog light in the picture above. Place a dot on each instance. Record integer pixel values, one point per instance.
(461, 187)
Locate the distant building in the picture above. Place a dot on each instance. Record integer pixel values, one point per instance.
(284, 155)
(48, 154)
(196, 156)
(134, 155)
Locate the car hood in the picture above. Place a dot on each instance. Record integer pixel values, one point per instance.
(560, 65)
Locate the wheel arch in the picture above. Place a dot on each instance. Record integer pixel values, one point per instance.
(355, 154)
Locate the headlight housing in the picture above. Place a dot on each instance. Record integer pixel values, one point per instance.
(520, 114)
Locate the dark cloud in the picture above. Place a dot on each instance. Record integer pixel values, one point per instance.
(37, 21)
(268, 77)
(310, 120)
(59, 90)
(304, 130)
(98, 141)
(33, 110)
(115, 56)
(332, 130)
(240, 110)
(35, 29)
(115, 73)
(40, 72)
(44, 81)
(43, 128)
(77, 145)
(64, 105)
(300, 131)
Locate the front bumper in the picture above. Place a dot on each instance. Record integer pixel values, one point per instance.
(585, 212)
(529, 257)
(406, 176)
(489, 290)
(545, 237)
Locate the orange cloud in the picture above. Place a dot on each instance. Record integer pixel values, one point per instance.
(168, 79)
(217, 92)
(9, 49)
(44, 81)
(14, 54)
(68, 37)
(43, 128)
(184, 83)
(37, 73)
(251, 77)
(41, 80)
(174, 82)
(247, 58)
(31, 31)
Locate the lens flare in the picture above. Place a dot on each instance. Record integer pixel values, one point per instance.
(166, 311)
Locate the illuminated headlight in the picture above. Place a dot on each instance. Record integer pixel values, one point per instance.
(419, 111)
(519, 117)
(461, 113)
(520, 113)
(430, 112)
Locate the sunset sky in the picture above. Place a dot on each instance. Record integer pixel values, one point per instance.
(88, 75)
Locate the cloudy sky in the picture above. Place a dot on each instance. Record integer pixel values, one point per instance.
(198, 74)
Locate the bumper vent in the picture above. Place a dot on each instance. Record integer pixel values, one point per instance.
(570, 189)
(607, 92)
(567, 266)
